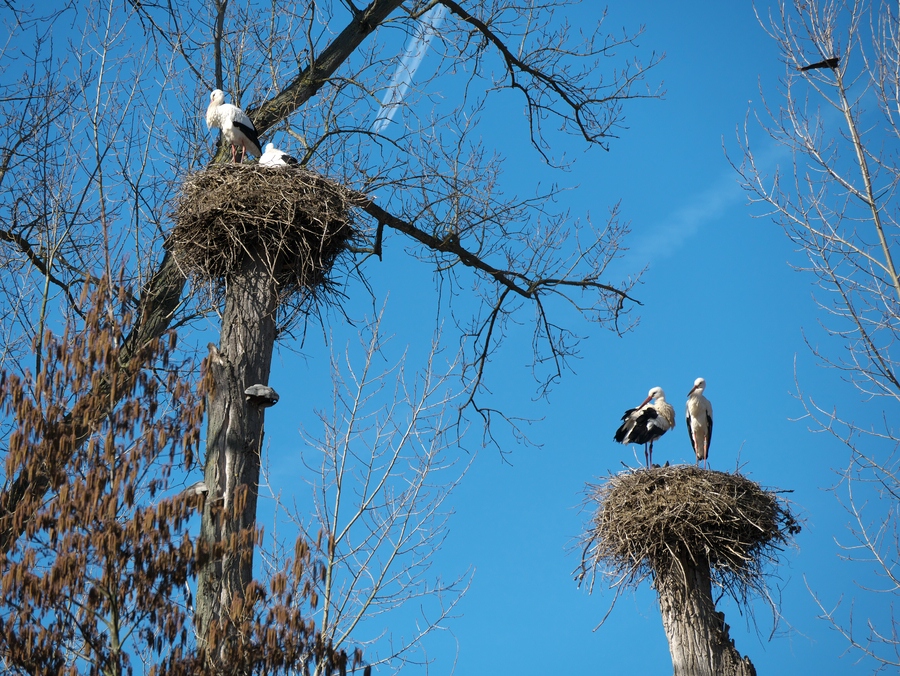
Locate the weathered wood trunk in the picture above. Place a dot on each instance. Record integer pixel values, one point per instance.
(234, 439)
(697, 634)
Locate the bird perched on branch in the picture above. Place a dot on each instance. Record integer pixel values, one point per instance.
(237, 129)
(827, 63)
(699, 421)
(646, 423)
(273, 157)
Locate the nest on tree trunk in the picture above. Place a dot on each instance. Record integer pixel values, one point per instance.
(648, 520)
(292, 219)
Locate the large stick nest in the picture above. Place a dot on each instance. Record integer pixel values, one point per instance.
(646, 519)
(293, 219)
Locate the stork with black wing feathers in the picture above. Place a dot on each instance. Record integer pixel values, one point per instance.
(646, 423)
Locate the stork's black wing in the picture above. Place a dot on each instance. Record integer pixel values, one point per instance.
(645, 430)
(248, 131)
(625, 427)
(687, 423)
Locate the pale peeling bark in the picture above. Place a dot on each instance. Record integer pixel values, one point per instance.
(697, 634)
(234, 438)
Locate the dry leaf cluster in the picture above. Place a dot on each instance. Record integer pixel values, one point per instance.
(97, 582)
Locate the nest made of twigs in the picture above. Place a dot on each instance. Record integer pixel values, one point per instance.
(293, 219)
(645, 519)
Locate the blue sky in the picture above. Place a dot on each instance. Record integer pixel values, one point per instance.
(721, 301)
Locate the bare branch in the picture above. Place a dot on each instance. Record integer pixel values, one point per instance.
(838, 204)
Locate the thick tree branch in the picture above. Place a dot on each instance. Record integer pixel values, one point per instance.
(511, 282)
(322, 66)
(451, 244)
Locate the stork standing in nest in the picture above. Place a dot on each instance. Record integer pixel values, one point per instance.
(273, 157)
(237, 129)
(699, 421)
(646, 423)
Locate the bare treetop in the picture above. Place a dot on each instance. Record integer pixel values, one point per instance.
(109, 130)
(836, 115)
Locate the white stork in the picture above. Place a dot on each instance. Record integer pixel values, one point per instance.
(273, 157)
(699, 421)
(647, 423)
(237, 129)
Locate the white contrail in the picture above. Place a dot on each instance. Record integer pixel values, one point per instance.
(412, 57)
(663, 239)
(698, 211)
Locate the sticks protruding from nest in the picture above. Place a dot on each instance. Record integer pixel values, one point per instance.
(295, 220)
(645, 518)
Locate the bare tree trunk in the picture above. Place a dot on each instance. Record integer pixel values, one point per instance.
(697, 634)
(234, 438)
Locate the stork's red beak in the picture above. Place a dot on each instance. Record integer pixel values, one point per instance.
(645, 402)
(693, 389)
